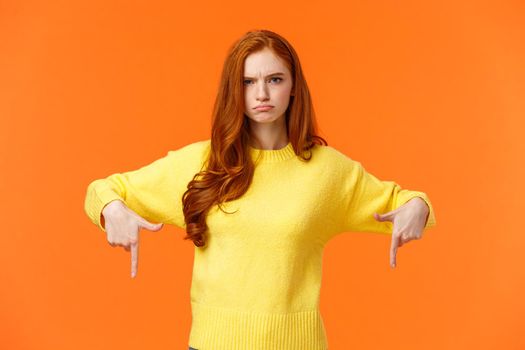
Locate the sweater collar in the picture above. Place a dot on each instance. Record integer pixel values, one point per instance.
(272, 155)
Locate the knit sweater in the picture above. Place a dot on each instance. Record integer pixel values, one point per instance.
(256, 283)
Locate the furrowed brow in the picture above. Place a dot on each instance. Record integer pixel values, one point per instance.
(269, 75)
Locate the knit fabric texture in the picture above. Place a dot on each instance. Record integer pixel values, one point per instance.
(256, 282)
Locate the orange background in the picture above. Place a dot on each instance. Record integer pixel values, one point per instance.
(427, 93)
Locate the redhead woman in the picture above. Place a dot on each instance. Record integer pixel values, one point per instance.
(259, 199)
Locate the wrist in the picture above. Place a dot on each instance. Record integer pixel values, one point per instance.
(111, 206)
(420, 202)
(422, 206)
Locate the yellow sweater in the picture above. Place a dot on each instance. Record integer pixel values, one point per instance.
(256, 283)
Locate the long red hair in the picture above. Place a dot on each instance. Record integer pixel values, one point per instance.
(229, 167)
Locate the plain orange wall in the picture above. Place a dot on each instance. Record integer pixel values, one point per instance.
(429, 94)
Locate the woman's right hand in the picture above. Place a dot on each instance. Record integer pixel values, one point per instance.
(122, 227)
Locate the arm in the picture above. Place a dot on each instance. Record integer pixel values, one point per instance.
(364, 195)
(148, 191)
(154, 191)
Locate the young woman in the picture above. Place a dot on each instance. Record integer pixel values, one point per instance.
(259, 199)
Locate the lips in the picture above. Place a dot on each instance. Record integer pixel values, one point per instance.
(263, 107)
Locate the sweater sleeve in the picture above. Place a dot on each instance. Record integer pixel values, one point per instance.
(153, 191)
(364, 194)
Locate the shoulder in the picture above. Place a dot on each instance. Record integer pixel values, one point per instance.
(192, 155)
(332, 155)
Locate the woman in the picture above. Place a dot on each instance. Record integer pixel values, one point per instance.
(259, 199)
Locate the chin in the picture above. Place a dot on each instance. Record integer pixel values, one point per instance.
(265, 117)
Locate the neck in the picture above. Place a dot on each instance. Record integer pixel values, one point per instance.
(269, 136)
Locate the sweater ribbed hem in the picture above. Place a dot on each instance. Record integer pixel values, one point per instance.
(216, 328)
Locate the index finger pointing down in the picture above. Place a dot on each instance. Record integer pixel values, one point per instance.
(134, 258)
(393, 251)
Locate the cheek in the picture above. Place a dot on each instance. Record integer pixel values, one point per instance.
(283, 95)
(284, 91)
(246, 99)
(248, 104)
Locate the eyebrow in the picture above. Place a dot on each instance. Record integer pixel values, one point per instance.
(269, 75)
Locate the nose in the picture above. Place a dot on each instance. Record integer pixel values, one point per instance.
(262, 92)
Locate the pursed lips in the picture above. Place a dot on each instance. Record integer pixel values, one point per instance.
(263, 107)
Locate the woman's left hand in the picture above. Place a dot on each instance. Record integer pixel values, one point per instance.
(409, 222)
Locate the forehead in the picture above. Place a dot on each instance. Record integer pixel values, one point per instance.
(263, 62)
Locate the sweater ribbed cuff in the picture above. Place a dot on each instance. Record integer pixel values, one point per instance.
(96, 200)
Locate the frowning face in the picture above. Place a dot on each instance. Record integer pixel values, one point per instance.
(267, 82)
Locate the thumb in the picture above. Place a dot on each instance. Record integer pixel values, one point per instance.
(150, 226)
(386, 216)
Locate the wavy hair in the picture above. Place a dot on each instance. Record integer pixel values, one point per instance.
(229, 167)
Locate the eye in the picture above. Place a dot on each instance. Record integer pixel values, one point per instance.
(248, 81)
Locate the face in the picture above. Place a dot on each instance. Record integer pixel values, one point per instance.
(267, 81)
